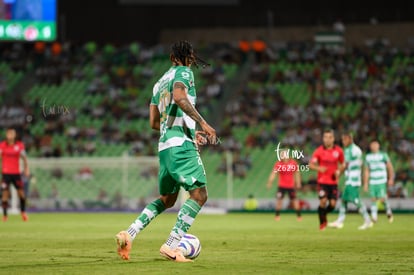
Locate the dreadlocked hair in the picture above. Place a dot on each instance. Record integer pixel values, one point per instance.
(182, 50)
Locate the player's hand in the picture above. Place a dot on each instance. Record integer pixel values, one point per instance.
(365, 188)
(209, 132)
(26, 173)
(322, 169)
(391, 182)
(269, 186)
(200, 138)
(337, 174)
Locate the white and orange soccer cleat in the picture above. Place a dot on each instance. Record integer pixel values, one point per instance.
(366, 225)
(175, 255)
(336, 224)
(25, 218)
(124, 242)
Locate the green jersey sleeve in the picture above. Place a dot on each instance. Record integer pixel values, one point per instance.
(185, 76)
(154, 100)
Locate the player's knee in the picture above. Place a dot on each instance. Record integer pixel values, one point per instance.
(199, 195)
(201, 199)
(21, 194)
(169, 203)
(322, 195)
(322, 201)
(168, 200)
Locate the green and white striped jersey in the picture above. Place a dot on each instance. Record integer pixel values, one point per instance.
(175, 126)
(353, 160)
(377, 165)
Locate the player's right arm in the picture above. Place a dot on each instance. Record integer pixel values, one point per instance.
(181, 99)
(313, 163)
(270, 180)
(154, 117)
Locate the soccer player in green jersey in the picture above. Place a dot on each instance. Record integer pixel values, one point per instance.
(353, 174)
(378, 173)
(173, 114)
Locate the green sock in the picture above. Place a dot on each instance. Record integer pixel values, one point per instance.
(152, 210)
(185, 219)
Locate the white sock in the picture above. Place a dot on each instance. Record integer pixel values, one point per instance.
(135, 228)
(364, 213)
(342, 214)
(374, 211)
(387, 207)
(173, 240)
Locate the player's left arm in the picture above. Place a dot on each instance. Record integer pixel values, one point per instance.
(342, 167)
(365, 177)
(390, 173)
(26, 170)
(181, 99)
(154, 117)
(298, 179)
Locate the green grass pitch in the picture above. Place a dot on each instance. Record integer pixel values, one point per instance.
(65, 243)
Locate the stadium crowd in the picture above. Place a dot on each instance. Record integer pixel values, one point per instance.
(379, 78)
(118, 75)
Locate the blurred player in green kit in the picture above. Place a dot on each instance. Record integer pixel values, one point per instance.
(378, 174)
(353, 174)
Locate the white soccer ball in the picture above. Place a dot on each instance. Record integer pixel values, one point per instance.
(190, 245)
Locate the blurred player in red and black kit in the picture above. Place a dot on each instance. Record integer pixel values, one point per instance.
(328, 160)
(11, 151)
(289, 179)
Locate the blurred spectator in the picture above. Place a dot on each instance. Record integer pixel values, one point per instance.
(57, 173)
(34, 193)
(244, 48)
(259, 48)
(240, 165)
(117, 201)
(339, 26)
(56, 49)
(54, 195)
(85, 173)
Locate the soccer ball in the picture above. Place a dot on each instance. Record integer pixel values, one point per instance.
(190, 245)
